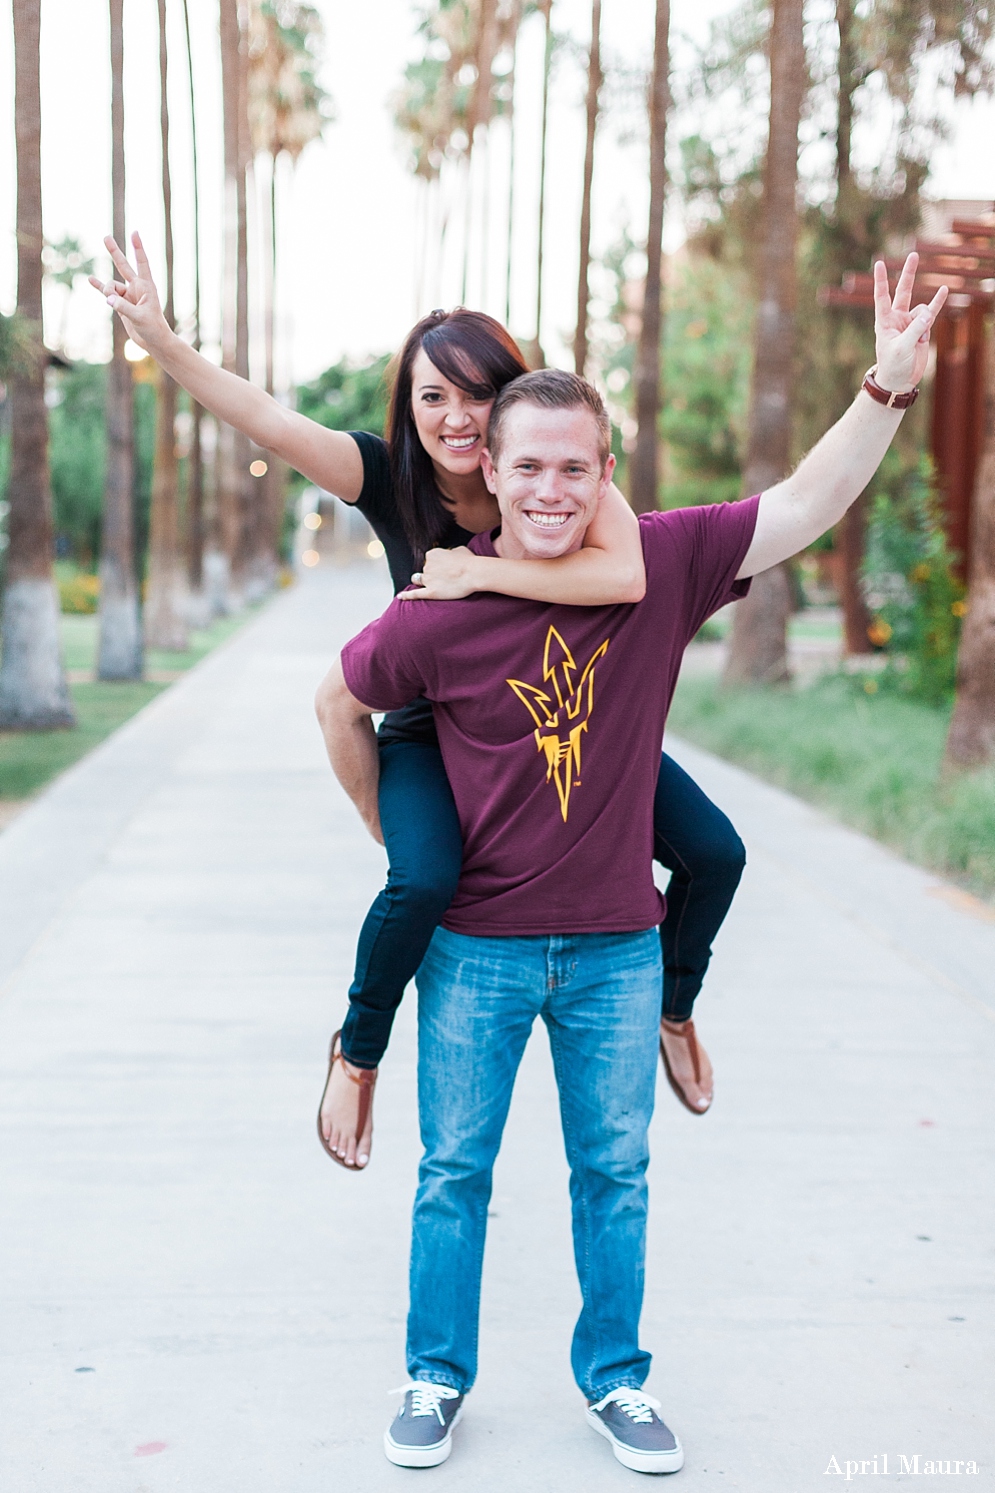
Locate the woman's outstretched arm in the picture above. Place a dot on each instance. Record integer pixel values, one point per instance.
(329, 458)
(607, 571)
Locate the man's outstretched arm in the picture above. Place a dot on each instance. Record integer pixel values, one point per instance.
(835, 472)
(347, 726)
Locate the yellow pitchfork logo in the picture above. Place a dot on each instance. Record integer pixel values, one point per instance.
(563, 699)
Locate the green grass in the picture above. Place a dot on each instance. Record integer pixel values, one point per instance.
(30, 759)
(874, 762)
(80, 634)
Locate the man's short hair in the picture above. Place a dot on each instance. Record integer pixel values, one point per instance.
(550, 389)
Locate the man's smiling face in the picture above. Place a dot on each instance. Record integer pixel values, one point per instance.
(548, 479)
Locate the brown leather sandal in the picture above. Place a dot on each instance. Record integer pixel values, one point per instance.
(366, 1078)
(685, 1031)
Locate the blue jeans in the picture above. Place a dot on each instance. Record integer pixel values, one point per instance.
(692, 838)
(599, 995)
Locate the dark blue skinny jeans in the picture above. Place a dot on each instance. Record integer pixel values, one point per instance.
(691, 837)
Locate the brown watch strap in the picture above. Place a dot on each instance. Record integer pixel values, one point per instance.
(887, 397)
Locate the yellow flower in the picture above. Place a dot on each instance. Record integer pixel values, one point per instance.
(870, 686)
(919, 572)
(959, 608)
(879, 632)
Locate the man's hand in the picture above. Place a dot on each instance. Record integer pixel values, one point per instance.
(447, 575)
(901, 335)
(835, 472)
(134, 297)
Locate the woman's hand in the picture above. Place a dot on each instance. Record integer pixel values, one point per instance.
(901, 335)
(134, 297)
(447, 575)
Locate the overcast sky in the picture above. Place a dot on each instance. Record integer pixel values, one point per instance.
(351, 232)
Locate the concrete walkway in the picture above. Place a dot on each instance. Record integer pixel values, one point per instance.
(195, 1298)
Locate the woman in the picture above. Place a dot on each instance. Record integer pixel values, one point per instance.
(424, 495)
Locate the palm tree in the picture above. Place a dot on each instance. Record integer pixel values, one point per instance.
(758, 648)
(195, 468)
(288, 109)
(119, 654)
(486, 40)
(644, 479)
(33, 691)
(851, 248)
(515, 21)
(971, 742)
(594, 81)
(165, 605)
(546, 8)
(235, 496)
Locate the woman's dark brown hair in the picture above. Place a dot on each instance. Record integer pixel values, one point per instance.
(476, 353)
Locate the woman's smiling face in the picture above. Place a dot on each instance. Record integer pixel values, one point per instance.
(451, 424)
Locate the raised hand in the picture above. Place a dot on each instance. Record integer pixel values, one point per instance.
(901, 335)
(134, 296)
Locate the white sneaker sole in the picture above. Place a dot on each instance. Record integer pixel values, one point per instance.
(421, 1456)
(635, 1460)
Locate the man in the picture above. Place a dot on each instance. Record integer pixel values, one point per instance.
(550, 721)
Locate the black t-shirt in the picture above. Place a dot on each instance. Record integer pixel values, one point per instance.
(377, 505)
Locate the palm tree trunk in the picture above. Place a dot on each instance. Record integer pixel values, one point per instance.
(33, 691)
(467, 222)
(644, 481)
(119, 654)
(195, 481)
(594, 80)
(270, 330)
(274, 484)
(254, 562)
(546, 6)
(971, 742)
(234, 499)
(509, 246)
(758, 652)
(850, 536)
(165, 606)
(846, 71)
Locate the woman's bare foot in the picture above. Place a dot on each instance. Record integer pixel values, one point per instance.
(340, 1109)
(682, 1055)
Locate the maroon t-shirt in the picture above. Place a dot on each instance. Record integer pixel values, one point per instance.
(550, 721)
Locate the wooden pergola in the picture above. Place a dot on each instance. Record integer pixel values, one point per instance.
(964, 259)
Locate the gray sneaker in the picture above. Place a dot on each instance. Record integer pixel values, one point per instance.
(421, 1433)
(638, 1436)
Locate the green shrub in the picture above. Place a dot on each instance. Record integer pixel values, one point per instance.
(915, 599)
(348, 396)
(707, 354)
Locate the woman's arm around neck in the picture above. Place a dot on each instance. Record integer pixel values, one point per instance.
(608, 570)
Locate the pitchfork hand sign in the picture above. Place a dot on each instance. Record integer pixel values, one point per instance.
(901, 335)
(134, 296)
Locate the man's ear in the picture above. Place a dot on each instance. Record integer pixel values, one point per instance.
(487, 467)
(606, 475)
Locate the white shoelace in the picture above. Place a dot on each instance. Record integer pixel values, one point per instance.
(425, 1398)
(637, 1406)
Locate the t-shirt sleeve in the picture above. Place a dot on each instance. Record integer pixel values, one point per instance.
(374, 501)
(379, 664)
(712, 541)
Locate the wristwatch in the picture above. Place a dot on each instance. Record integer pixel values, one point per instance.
(887, 397)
